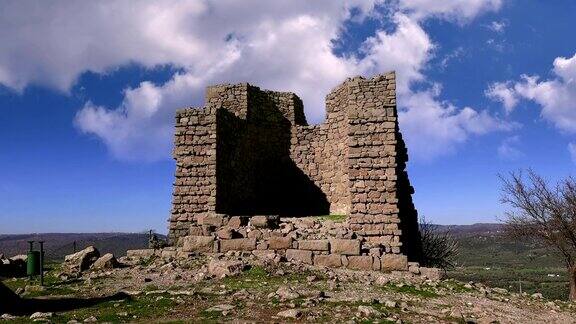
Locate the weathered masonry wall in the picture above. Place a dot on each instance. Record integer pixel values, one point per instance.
(250, 152)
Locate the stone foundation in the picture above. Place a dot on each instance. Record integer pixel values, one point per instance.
(308, 240)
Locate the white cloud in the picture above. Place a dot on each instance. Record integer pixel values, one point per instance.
(508, 149)
(457, 53)
(501, 91)
(556, 97)
(436, 127)
(285, 45)
(497, 26)
(458, 10)
(572, 151)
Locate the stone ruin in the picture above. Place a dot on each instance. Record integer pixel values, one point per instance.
(251, 174)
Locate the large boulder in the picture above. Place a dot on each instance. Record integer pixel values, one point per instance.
(82, 260)
(107, 261)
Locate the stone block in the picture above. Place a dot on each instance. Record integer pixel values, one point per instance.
(197, 244)
(314, 245)
(225, 233)
(168, 254)
(195, 231)
(255, 234)
(280, 243)
(216, 220)
(259, 221)
(345, 247)
(267, 255)
(242, 244)
(225, 268)
(360, 262)
(140, 254)
(432, 273)
(414, 267)
(235, 222)
(299, 255)
(328, 260)
(394, 262)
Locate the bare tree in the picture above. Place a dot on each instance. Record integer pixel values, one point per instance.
(545, 213)
(439, 248)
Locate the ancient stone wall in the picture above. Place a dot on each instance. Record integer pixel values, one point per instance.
(250, 152)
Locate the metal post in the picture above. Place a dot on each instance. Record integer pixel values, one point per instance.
(41, 263)
(31, 243)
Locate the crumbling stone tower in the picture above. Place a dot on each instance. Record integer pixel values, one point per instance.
(250, 153)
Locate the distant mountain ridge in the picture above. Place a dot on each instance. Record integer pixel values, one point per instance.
(57, 245)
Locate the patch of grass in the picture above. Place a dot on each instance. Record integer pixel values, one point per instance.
(52, 284)
(151, 287)
(412, 290)
(334, 218)
(147, 261)
(129, 310)
(455, 286)
(259, 278)
(532, 280)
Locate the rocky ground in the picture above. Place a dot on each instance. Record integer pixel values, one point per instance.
(244, 289)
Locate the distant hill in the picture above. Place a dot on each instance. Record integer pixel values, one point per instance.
(488, 245)
(57, 245)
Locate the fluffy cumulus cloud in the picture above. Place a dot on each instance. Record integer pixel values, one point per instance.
(436, 127)
(284, 44)
(556, 96)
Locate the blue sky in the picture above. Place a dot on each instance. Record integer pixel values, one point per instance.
(88, 91)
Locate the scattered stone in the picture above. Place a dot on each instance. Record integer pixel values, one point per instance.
(8, 317)
(107, 261)
(286, 293)
(91, 319)
(434, 274)
(368, 311)
(290, 313)
(40, 315)
(537, 296)
(382, 280)
(82, 260)
(225, 268)
(220, 308)
(141, 254)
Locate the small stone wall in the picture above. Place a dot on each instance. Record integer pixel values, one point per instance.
(309, 240)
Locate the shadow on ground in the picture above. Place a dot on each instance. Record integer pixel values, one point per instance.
(15, 305)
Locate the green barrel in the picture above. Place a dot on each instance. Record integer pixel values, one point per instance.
(33, 264)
